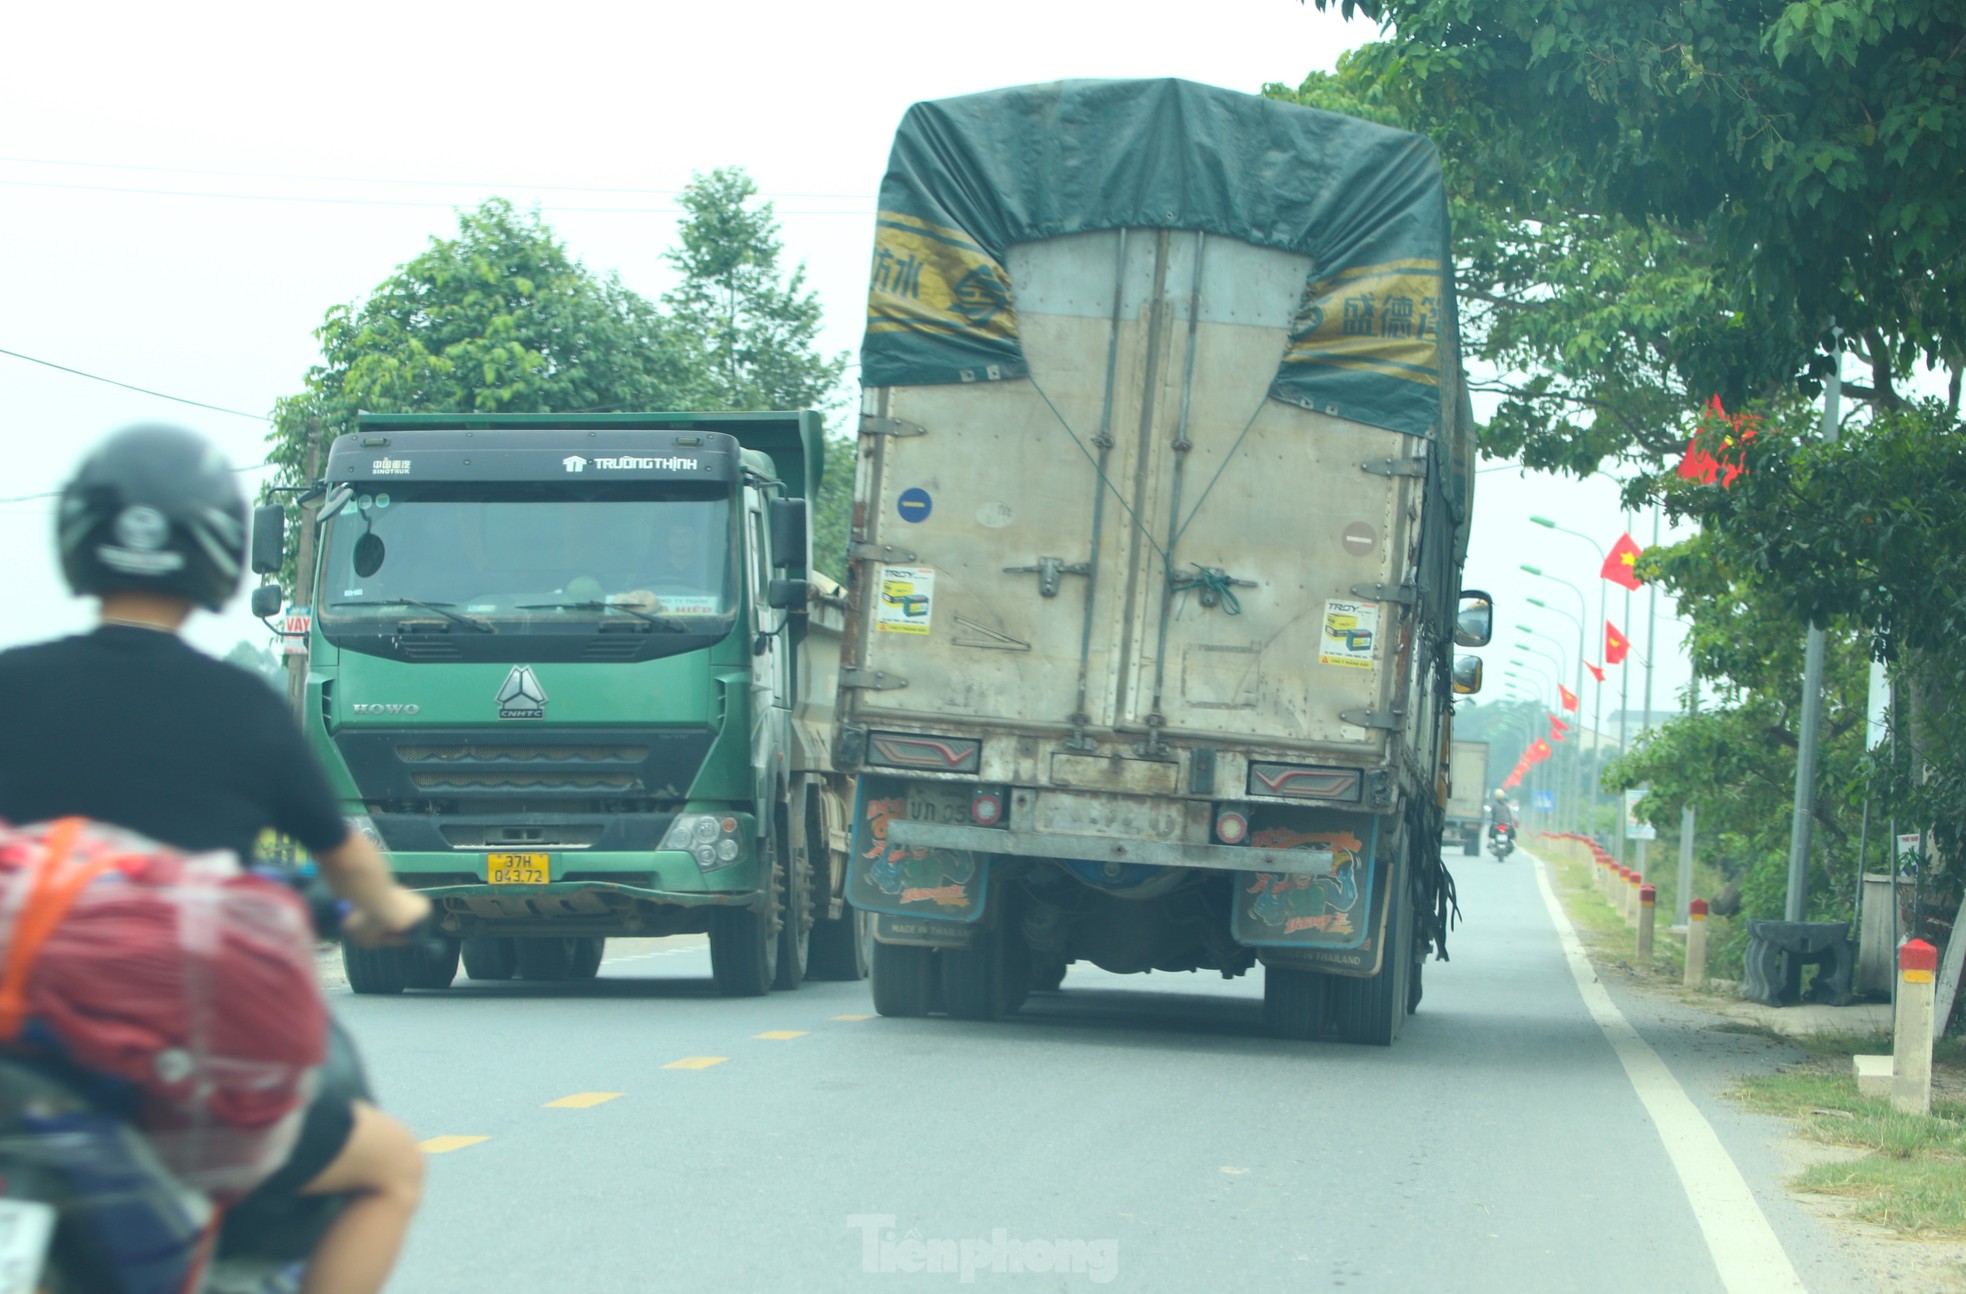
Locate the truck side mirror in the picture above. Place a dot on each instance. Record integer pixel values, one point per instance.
(1467, 675)
(787, 595)
(788, 533)
(1474, 624)
(266, 600)
(269, 550)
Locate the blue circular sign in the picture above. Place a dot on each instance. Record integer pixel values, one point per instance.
(914, 504)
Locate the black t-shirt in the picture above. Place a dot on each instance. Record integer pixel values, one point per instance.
(136, 728)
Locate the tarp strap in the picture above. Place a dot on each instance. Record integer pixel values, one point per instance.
(52, 886)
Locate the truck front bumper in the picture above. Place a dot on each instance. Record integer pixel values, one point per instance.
(588, 893)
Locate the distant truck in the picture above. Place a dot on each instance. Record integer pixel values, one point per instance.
(573, 673)
(1163, 498)
(1467, 793)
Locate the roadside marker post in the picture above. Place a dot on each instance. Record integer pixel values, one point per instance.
(1911, 1033)
(1648, 902)
(1696, 944)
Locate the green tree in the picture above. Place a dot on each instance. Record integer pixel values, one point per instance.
(499, 318)
(260, 663)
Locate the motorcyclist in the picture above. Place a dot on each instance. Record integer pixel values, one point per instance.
(130, 725)
(1502, 813)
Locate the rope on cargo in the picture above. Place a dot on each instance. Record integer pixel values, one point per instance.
(1103, 478)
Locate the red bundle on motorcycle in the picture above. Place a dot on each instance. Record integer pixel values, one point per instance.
(182, 975)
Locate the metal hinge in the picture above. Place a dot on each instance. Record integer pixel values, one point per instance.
(1050, 570)
(1389, 720)
(871, 680)
(862, 551)
(871, 425)
(1396, 467)
(1402, 593)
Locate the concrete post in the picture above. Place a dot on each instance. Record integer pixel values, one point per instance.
(1696, 944)
(1911, 1042)
(1648, 901)
(1631, 895)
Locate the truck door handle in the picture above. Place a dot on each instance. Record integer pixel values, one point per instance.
(1050, 570)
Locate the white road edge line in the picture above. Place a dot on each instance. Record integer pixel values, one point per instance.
(1744, 1247)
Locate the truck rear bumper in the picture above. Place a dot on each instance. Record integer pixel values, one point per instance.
(1158, 853)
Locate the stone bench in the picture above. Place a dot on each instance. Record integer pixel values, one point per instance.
(1777, 952)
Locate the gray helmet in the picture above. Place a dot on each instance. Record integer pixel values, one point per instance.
(154, 508)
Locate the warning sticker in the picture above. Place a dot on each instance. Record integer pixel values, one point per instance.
(907, 599)
(1349, 631)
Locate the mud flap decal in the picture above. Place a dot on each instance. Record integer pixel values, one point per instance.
(1335, 911)
(908, 881)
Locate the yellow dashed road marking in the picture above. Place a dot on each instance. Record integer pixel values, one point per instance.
(779, 1035)
(696, 1062)
(438, 1145)
(853, 1017)
(581, 1100)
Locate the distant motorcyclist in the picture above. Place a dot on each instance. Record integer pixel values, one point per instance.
(131, 726)
(1502, 813)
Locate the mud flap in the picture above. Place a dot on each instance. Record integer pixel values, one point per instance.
(910, 882)
(1333, 920)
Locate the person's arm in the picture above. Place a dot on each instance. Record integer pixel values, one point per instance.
(358, 872)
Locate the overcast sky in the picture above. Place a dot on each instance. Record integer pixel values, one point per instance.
(185, 189)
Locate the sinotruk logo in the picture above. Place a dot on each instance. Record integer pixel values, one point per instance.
(521, 696)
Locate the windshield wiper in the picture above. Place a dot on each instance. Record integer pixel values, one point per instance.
(441, 608)
(663, 623)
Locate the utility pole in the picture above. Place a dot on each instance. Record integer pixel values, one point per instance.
(1651, 628)
(1812, 690)
(304, 568)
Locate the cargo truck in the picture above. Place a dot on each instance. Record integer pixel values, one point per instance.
(1467, 793)
(1161, 509)
(573, 674)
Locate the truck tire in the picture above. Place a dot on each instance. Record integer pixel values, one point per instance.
(1371, 1011)
(376, 970)
(743, 951)
(1296, 1003)
(983, 981)
(544, 959)
(794, 904)
(1471, 843)
(490, 959)
(843, 947)
(904, 980)
(587, 953)
(1047, 977)
(433, 967)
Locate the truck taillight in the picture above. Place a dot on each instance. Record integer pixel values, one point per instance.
(1231, 828)
(986, 810)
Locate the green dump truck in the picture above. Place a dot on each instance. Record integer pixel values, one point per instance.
(573, 673)
(1163, 500)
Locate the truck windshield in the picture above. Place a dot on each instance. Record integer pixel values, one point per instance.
(526, 560)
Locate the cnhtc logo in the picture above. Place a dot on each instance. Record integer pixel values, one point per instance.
(574, 463)
(521, 696)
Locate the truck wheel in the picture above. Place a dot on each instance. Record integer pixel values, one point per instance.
(743, 951)
(794, 892)
(1370, 1011)
(490, 959)
(904, 980)
(1047, 977)
(978, 982)
(433, 967)
(1471, 843)
(1296, 1003)
(376, 970)
(587, 952)
(544, 959)
(1413, 989)
(842, 948)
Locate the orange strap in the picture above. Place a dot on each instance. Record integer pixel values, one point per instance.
(51, 892)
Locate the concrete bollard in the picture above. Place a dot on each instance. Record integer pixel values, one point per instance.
(1911, 1032)
(1696, 944)
(1631, 896)
(1648, 902)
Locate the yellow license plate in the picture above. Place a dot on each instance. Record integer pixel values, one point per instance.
(518, 869)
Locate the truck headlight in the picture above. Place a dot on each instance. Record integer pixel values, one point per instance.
(711, 839)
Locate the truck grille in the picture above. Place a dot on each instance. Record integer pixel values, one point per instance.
(472, 771)
(502, 767)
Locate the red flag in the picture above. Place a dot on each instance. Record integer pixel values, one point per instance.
(1596, 673)
(1615, 646)
(1569, 697)
(1726, 459)
(1539, 750)
(1558, 725)
(1513, 779)
(1618, 566)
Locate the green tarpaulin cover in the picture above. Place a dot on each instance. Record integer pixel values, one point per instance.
(971, 176)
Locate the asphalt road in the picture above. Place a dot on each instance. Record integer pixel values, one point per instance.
(1142, 1133)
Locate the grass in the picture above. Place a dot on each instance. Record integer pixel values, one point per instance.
(1913, 1178)
(1603, 928)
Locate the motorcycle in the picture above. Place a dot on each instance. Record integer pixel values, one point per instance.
(88, 1207)
(1501, 840)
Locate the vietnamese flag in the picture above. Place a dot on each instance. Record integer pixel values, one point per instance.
(1596, 673)
(1705, 466)
(1618, 567)
(1512, 780)
(1615, 646)
(1558, 725)
(1569, 697)
(1538, 752)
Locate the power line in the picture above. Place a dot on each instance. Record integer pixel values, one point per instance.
(422, 184)
(378, 202)
(142, 390)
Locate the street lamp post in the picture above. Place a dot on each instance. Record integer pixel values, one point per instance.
(1597, 720)
(1545, 696)
(1577, 740)
(1602, 557)
(1564, 794)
